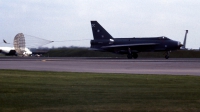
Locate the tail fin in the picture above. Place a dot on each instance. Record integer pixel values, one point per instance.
(184, 42)
(99, 32)
(5, 42)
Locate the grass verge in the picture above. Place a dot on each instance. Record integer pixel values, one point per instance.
(33, 91)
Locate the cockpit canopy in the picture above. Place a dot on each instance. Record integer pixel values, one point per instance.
(163, 38)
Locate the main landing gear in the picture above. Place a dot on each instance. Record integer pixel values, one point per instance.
(134, 55)
(131, 55)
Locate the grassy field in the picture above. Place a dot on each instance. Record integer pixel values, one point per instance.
(30, 91)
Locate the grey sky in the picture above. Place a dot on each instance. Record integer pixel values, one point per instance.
(59, 20)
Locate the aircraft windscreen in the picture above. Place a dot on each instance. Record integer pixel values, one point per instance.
(164, 38)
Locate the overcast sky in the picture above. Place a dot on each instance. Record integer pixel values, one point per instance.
(59, 20)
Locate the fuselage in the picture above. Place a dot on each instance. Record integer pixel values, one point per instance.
(11, 51)
(155, 44)
(103, 41)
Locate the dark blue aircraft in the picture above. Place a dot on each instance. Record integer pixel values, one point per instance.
(103, 41)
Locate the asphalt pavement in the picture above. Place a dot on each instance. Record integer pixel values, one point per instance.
(172, 66)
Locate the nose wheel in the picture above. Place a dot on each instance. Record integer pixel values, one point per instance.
(167, 55)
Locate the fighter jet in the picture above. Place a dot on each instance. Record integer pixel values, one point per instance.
(103, 41)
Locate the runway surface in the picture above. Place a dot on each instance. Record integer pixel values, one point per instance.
(104, 65)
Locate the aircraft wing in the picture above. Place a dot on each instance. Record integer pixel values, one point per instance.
(130, 45)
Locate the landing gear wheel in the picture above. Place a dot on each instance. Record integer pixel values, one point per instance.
(166, 56)
(129, 56)
(135, 55)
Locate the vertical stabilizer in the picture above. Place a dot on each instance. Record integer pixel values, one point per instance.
(184, 42)
(99, 32)
(4, 41)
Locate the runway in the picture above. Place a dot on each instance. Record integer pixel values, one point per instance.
(171, 66)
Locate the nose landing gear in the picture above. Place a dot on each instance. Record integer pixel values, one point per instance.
(167, 55)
